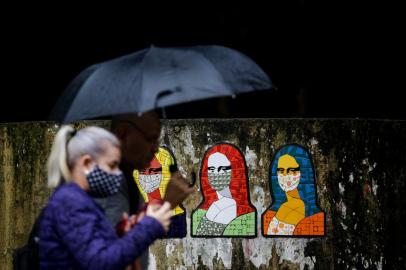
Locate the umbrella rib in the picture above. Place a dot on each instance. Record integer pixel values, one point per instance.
(142, 71)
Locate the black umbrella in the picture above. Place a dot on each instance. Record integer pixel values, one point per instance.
(157, 77)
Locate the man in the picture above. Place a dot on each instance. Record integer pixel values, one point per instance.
(139, 137)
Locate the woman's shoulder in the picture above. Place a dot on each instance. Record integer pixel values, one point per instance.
(69, 195)
(69, 202)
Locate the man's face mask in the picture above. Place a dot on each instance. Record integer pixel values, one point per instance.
(219, 171)
(102, 183)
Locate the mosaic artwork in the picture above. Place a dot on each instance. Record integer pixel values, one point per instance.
(152, 183)
(225, 210)
(294, 211)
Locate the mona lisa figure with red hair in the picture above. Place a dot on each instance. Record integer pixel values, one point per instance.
(226, 210)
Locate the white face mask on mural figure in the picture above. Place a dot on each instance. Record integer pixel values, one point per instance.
(150, 182)
(288, 182)
(219, 171)
(219, 174)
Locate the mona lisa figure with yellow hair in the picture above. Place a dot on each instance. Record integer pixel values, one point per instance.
(152, 183)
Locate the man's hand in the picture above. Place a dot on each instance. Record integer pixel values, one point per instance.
(162, 214)
(178, 189)
(129, 221)
(126, 223)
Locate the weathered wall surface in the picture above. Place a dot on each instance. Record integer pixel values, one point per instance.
(360, 176)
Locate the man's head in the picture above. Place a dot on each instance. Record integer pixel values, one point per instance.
(139, 136)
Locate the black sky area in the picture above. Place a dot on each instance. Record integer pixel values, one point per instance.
(324, 64)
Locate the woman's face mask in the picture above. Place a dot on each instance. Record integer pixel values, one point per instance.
(102, 183)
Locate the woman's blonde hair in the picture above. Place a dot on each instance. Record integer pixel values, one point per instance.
(70, 145)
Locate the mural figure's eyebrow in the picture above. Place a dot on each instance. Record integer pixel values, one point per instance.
(225, 168)
(211, 168)
(280, 169)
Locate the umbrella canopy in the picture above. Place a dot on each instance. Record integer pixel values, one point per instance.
(157, 77)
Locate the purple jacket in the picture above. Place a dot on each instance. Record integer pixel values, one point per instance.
(74, 234)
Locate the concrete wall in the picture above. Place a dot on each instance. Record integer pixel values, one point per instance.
(360, 177)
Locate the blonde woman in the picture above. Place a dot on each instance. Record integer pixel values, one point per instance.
(74, 233)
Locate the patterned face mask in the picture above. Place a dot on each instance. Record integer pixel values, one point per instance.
(288, 182)
(103, 184)
(150, 182)
(219, 181)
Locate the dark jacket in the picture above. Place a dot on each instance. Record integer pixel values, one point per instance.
(74, 234)
(127, 199)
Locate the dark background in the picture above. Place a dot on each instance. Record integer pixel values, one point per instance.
(324, 62)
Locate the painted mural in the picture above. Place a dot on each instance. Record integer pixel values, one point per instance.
(152, 183)
(294, 211)
(226, 210)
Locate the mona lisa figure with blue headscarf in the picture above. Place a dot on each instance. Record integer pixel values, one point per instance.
(294, 211)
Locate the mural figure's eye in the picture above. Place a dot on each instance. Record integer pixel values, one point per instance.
(211, 169)
(293, 170)
(224, 169)
(155, 170)
(281, 170)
